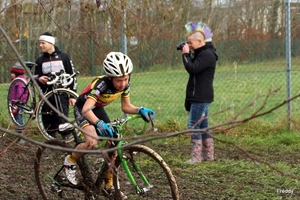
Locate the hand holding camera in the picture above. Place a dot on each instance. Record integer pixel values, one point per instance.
(181, 47)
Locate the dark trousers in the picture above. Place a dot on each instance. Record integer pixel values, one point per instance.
(50, 118)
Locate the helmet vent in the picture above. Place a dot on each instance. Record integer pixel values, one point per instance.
(122, 69)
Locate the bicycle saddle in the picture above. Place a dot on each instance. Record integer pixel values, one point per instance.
(30, 65)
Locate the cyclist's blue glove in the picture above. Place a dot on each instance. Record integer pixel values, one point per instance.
(146, 114)
(103, 129)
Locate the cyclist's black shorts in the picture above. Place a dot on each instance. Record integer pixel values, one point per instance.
(82, 121)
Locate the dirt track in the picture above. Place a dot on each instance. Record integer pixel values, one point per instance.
(18, 182)
(17, 177)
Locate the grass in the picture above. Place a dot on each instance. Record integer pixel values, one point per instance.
(234, 175)
(164, 91)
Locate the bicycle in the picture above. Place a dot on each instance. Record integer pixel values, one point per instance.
(139, 172)
(31, 109)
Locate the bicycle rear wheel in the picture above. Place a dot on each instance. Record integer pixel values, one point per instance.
(20, 105)
(50, 176)
(49, 121)
(145, 161)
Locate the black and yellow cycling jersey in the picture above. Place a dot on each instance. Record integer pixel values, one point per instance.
(102, 91)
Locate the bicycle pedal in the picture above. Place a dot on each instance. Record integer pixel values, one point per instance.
(29, 112)
(147, 189)
(55, 188)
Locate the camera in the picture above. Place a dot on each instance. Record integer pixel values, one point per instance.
(180, 46)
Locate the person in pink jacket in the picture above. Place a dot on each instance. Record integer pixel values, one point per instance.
(17, 92)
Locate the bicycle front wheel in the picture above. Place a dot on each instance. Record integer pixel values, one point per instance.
(20, 103)
(151, 173)
(50, 122)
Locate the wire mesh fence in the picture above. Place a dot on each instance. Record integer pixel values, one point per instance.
(236, 82)
(252, 54)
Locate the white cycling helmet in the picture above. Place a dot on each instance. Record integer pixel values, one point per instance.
(117, 64)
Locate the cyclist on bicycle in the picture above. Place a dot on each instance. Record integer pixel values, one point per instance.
(89, 108)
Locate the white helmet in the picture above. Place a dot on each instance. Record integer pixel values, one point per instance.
(117, 64)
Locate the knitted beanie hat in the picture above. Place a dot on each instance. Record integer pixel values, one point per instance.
(17, 68)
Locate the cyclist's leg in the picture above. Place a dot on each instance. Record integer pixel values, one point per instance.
(89, 143)
(101, 114)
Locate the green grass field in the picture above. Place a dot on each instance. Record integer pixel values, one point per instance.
(255, 160)
(164, 92)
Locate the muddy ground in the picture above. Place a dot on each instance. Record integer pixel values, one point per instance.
(17, 174)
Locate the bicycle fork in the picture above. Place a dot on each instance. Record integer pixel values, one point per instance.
(123, 159)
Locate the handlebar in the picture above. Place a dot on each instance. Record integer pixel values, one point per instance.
(56, 78)
(67, 77)
(59, 78)
(118, 124)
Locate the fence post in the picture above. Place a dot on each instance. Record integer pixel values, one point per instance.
(165, 52)
(234, 55)
(92, 57)
(288, 59)
(27, 49)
